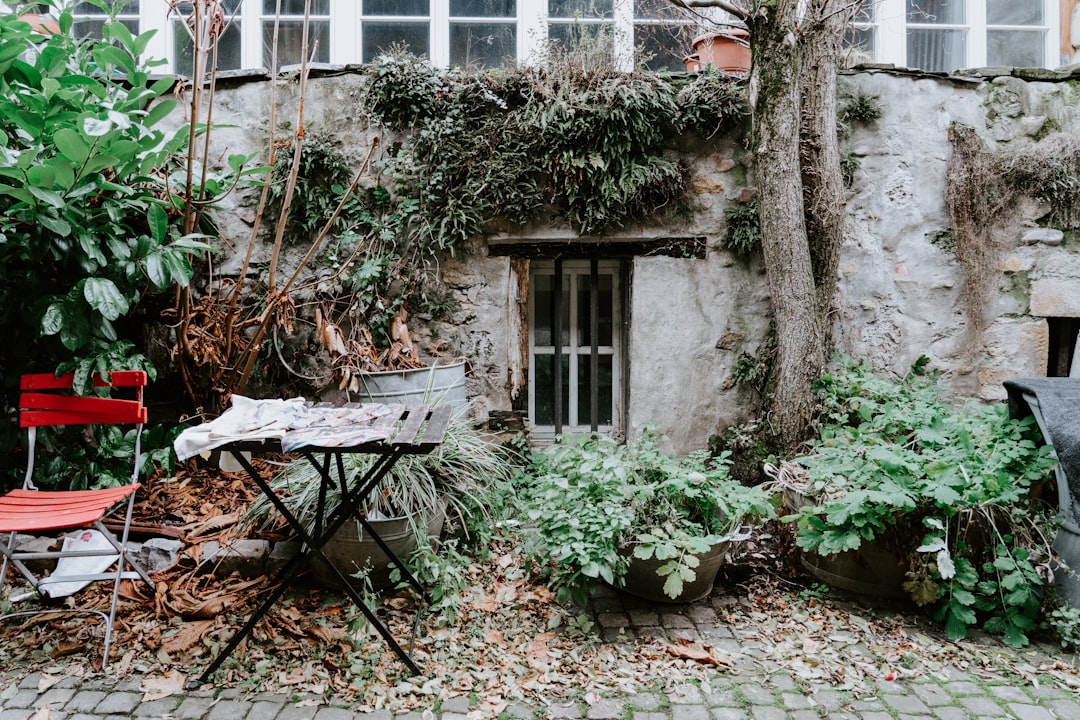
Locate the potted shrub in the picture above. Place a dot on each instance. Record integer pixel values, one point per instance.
(942, 489)
(640, 519)
(410, 505)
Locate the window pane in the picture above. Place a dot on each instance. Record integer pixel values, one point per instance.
(664, 46)
(483, 8)
(291, 39)
(83, 28)
(584, 399)
(584, 319)
(128, 7)
(482, 45)
(543, 293)
(936, 50)
(657, 10)
(573, 34)
(585, 9)
(860, 39)
(378, 37)
(228, 49)
(544, 392)
(229, 6)
(1011, 12)
(935, 12)
(296, 7)
(1015, 48)
(396, 7)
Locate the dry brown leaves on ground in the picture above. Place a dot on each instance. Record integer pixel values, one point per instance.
(509, 641)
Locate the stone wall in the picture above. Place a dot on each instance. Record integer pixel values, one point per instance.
(690, 318)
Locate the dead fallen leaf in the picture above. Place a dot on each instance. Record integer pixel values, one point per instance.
(43, 713)
(155, 688)
(690, 650)
(190, 635)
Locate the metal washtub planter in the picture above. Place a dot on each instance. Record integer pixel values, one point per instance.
(440, 383)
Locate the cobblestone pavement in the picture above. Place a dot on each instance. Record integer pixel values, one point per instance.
(753, 691)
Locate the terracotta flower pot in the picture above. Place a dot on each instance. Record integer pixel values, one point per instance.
(727, 51)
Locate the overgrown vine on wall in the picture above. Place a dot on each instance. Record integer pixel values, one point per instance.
(983, 190)
(586, 140)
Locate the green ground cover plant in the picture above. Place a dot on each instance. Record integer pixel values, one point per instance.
(946, 483)
(594, 502)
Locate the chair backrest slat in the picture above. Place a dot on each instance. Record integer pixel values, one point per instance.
(47, 408)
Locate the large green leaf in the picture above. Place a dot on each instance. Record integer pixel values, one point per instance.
(71, 145)
(105, 297)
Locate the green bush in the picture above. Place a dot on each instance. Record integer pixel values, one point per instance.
(88, 226)
(947, 482)
(594, 501)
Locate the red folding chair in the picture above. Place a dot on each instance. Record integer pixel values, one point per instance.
(47, 400)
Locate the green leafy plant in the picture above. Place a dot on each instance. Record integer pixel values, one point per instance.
(947, 483)
(743, 234)
(89, 227)
(595, 503)
(580, 136)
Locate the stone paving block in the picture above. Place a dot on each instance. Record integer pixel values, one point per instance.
(55, 697)
(514, 710)
(648, 715)
(604, 709)
(804, 715)
(295, 711)
(1031, 712)
(932, 695)
(728, 713)
(643, 617)
(702, 615)
(265, 709)
(983, 707)
(331, 713)
(793, 701)
(231, 710)
(721, 697)
(829, 699)
(644, 701)
(1064, 708)
(782, 681)
(455, 704)
(951, 712)
(15, 714)
(21, 699)
(676, 621)
(691, 712)
(757, 695)
(718, 632)
(875, 715)
(118, 703)
(767, 713)
(613, 619)
(1009, 693)
(907, 704)
(156, 708)
(961, 687)
(686, 695)
(191, 708)
(31, 681)
(84, 701)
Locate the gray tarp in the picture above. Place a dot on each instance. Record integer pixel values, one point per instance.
(1059, 405)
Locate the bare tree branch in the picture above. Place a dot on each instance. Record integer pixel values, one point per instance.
(740, 12)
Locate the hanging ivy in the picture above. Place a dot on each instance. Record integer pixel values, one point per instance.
(590, 142)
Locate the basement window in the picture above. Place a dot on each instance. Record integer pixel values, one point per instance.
(575, 347)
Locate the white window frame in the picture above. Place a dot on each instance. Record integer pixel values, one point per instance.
(890, 32)
(531, 20)
(543, 434)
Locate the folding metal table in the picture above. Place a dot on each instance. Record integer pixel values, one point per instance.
(410, 430)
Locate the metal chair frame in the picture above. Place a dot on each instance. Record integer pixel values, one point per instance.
(47, 400)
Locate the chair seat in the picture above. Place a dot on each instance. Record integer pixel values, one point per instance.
(32, 510)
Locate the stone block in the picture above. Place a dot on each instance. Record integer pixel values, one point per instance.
(1055, 297)
(1045, 236)
(158, 554)
(280, 554)
(247, 558)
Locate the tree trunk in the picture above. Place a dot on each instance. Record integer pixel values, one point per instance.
(823, 186)
(775, 104)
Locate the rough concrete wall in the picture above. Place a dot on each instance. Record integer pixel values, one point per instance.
(900, 290)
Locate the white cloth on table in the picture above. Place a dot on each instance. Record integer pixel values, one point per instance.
(294, 422)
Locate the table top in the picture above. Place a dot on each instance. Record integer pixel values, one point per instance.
(298, 425)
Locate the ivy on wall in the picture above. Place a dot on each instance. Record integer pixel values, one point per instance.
(590, 142)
